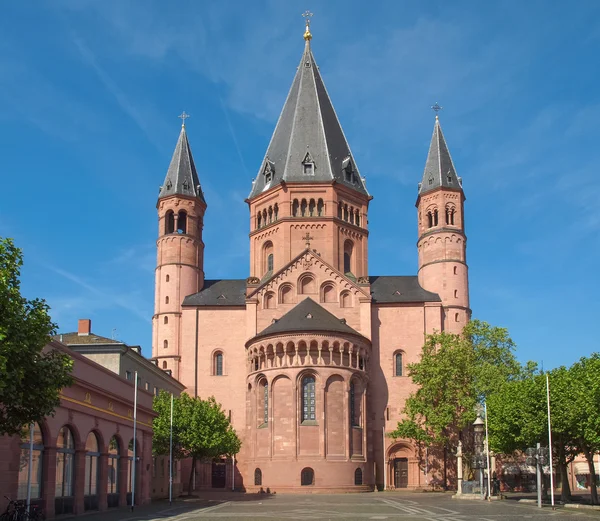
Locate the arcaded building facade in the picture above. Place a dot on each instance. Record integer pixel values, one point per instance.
(308, 354)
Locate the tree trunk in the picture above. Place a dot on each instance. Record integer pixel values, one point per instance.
(565, 494)
(589, 456)
(191, 481)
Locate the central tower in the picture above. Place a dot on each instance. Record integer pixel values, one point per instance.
(308, 190)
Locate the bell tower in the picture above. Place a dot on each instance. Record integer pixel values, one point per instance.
(180, 252)
(442, 241)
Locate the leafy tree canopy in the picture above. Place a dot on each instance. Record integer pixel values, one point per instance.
(30, 379)
(201, 430)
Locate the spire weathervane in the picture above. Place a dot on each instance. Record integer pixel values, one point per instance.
(436, 108)
(183, 116)
(307, 35)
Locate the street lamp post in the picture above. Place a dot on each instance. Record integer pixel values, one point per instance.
(479, 460)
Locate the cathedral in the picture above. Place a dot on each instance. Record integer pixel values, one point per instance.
(308, 354)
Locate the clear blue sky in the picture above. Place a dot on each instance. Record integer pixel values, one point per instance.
(89, 97)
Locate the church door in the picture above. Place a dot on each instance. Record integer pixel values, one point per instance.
(218, 474)
(401, 472)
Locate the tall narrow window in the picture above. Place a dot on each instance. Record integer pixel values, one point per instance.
(270, 214)
(346, 212)
(311, 208)
(218, 364)
(353, 421)
(351, 215)
(265, 403)
(268, 258)
(358, 476)
(166, 320)
(435, 217)
(340, 210)
(308, 398)
(92, 454)
(303, 207)
(347, 263)
(270, 262)
(258, 220)
(320, 208)
(447, 215)
(295, 208)
(258, 477)
(452, 216)
(276, 211)
(182, 222)
(348, 251)
(357, 218)
(429, 220)
(36, 468)
(165, 344)
(170, 222)
(65, 460)
(112, 486)
(398, 367)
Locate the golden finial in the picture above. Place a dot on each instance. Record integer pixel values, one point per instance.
(307, 34)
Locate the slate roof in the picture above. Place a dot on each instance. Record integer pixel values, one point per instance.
(307, 316)
(182, 178)
(439, 168)
(308, 130)
(390, 289)
(74, 338)
(222, 292)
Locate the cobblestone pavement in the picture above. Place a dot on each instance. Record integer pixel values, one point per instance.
(388, 505)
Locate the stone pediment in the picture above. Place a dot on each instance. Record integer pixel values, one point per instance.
(309, 261)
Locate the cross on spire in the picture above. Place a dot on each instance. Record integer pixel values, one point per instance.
(308, 238)
(307, 16)
(436, 108)
(183, 116)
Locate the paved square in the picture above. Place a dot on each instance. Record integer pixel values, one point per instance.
(392, 506)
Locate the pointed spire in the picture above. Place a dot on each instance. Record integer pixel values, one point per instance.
(309, 125)
(182, 178)
(439, 168)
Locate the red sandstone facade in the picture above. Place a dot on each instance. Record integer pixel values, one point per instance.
(308, 354)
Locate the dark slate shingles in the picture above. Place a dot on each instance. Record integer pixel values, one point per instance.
(308, 316)
(222, 292)
(390, 289)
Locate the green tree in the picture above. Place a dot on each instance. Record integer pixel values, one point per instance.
(30, 378)
(201, 430)
(455, 373)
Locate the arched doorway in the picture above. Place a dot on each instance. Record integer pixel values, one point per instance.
(219, 473)
(92, 455)
(400, 461)
(65, 465)
(114, 467)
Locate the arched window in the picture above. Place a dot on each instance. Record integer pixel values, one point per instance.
(112, 487)
(353, 419)
(258, 220)
(169, 222)
(435, 217)
(268, 258)
(357, 218)
(276, 211)
(307, 285)
(286, 295)
(320, 207)
(447, 215)
(270, 214)
(351, 215)
(328, 293)
(358, 476)
(311, 208)
(398, 365)
(348, 250)
(454, 270)
(308, 399)
(429, 220)
(307, 477)
(269, 301)
(452, 216)
(92, 453)
(182, 222)
(346, 212)
(455, 293)
(37, 464)
(165, 344)
(345, 299)
(263, 403)
(218, 364)
(264, 214)
(340, 210)
(456, 317)
(258, 477)
(65, 461)
(164, 365)
(166, 300)
(295, 208)
(167, 278)
(303, 206)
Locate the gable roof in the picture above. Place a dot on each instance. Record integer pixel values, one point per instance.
(182, 177)
(307, 316)
(439, 168)
(220, 292)
(389, 289)
(308, 130)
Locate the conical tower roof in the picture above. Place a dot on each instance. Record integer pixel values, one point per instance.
(308, 133)
(182, 178)
(439, 168)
